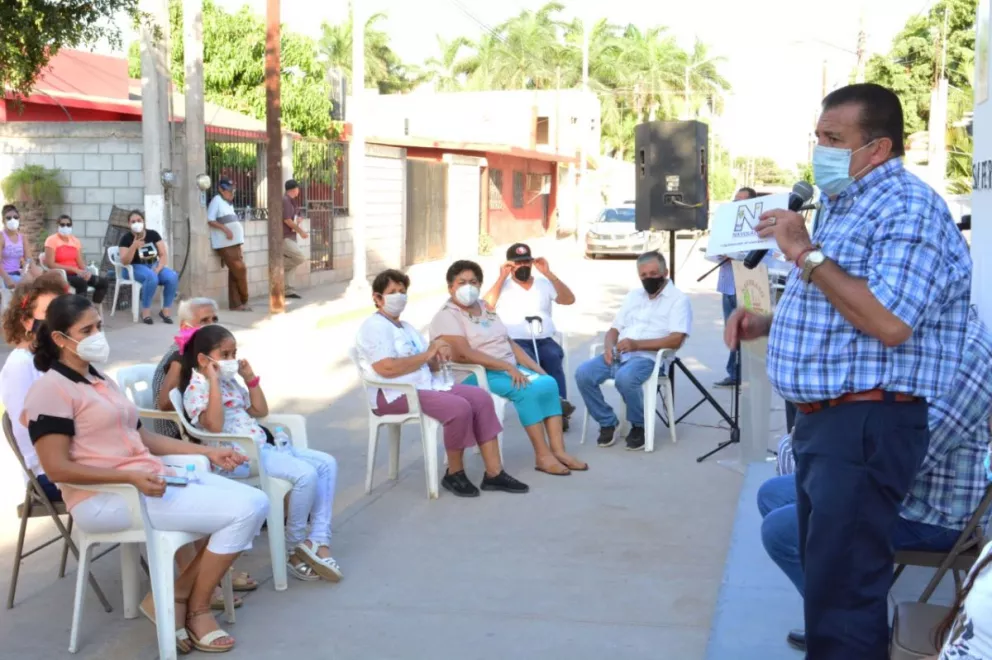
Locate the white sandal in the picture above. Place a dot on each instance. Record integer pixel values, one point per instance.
(183, 642)
(325, 567)
(299, 569)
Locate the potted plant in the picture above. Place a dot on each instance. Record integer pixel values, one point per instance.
(33, 189)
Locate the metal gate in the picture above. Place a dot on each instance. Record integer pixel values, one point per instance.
(426, 210)
(319, 166)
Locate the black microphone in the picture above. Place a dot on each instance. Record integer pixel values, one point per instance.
(801, 193)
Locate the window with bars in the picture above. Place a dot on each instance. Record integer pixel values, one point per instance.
(495, 190)
(519, 182)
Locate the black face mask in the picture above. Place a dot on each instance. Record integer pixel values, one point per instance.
(653, 284)
(522, 273)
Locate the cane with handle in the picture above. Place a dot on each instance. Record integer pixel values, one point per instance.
(536, 326)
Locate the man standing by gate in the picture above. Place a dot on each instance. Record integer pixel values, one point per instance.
(871, 326)
(292, 255)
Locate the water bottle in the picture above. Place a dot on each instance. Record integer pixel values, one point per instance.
(281, 438)
(191, 474)
(447, 376)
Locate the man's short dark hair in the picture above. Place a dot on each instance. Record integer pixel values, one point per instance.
(751, 194)
(292, 184)
(383, 279)
(461, 266)
(881, 112)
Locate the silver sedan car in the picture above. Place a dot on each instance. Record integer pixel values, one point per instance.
(614, 233)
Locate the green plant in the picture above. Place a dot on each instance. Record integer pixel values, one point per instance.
(486, 244)
(33, 183)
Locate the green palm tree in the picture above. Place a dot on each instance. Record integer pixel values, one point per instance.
(382, 66)
(447, 72)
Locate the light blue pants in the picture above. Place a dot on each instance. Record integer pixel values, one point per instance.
(628, 377)
(535, 402)
(150, 281)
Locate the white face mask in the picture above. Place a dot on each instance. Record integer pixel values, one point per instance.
(65, 231)
(93, 348)
(137, 227)
(467, 294)
(228, 368)
(394, 303)
(13, 224)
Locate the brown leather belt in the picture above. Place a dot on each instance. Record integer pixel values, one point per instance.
(870, 395)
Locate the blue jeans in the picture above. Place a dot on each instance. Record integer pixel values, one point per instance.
(628, 378)
(150, 281)
(780, 529)
(729, 305)
(550, 356)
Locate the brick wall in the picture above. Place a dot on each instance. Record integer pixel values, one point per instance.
(100, 164)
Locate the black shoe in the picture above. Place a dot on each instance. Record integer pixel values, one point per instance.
(165, 319)
(459, 485)
(147, 320)
(607, 436)
(564, 424)
(566, 408)
(503, 482)
(797, 639)
(294, 296)
(726, 382)
(635, 439)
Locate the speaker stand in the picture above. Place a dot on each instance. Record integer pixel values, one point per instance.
(671, 256)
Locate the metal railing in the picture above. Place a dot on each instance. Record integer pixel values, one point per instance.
(321, 167)
(239, 156)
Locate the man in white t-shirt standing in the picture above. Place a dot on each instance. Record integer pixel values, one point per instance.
(653, 317)
(227, 235)
(518, 295)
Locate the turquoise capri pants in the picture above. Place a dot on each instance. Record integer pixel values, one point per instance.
(535, 403)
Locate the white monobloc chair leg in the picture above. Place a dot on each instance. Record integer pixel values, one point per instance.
(395, 436)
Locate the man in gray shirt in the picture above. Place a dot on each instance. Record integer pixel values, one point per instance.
(292, 255)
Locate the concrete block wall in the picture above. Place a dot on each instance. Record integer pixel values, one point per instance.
(100, 164)
(385, 208)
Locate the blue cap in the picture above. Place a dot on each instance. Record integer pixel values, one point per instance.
(225, 184)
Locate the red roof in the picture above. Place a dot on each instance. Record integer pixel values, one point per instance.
(479, 147)
(88, 74)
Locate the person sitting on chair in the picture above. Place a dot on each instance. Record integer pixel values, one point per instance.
(64, 252)
(516, 296)
(477, 336)
(947, 490)
(20, 320)
(144, 250)
(393, 350)
(652, 317)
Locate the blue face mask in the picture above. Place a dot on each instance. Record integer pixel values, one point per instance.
(988, 469)
(832, 168)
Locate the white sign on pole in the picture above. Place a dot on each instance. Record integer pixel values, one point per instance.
(734, 222)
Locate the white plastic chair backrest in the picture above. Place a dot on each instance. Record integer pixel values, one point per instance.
(257, 472)
(114, 254)
(136, 383)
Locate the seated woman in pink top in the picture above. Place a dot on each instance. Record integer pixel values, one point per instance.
(15, 253)
(86, 431)
(64, 252)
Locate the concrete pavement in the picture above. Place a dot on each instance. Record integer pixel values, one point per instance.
(624, 560)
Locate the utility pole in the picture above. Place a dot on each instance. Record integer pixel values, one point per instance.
(359, 287)
(196, 150)
(862, 42)
(585, 126)
(156, 142)
(273, 130)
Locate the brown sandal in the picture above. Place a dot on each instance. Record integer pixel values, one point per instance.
(206, 644)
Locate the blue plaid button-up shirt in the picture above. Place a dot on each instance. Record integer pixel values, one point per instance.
(895, 232)
(952, 479)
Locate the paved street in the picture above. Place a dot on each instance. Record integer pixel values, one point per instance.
(625, 560)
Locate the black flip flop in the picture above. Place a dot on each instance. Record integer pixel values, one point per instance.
(554, 474)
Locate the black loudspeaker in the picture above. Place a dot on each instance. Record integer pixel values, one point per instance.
(672, 175)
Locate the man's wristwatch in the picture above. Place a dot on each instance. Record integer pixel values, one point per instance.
(813, 261)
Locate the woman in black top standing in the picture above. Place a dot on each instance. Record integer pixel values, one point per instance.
(146, 252)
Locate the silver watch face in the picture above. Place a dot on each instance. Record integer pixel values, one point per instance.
(815, 258)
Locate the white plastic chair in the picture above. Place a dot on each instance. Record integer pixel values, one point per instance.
(430, 431)
(65, 278)
(499, 403)
(561, 337)
(161, 548)
(275, 489)
(658, 377)
(136, 383)
(114, 255)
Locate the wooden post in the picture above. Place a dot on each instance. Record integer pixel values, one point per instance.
(273, 129)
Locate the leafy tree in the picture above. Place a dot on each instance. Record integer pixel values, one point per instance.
(766, 171)
(33, 32)
(234, 68)
(383, 68)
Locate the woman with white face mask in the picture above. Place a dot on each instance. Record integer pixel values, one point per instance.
(86, 431)
(144, 250)
(63, 251)
(477, 336)
(392, 350)
(16, 258)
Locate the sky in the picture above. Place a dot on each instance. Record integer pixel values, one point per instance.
(775, 49)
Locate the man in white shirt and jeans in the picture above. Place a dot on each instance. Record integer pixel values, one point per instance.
(517, 295)
(652, 317)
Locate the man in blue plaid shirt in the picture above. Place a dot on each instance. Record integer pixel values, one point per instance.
(871, 326)
(947, 490)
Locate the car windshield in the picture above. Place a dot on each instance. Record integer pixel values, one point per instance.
(617, 215)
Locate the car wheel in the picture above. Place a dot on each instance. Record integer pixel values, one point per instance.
(589, 255)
